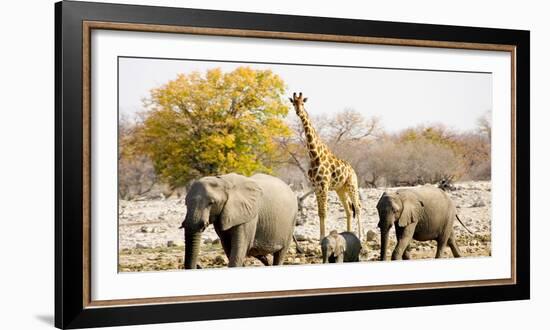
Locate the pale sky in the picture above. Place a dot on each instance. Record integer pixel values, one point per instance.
(400, 98)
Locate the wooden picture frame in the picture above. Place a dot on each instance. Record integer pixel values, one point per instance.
(74, 307)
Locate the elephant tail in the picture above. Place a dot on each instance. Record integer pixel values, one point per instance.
(298, 247)
(463, 225)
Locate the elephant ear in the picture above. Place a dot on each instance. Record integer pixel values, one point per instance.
(395, 203)
(412, 207)
(381, 201)
(386, 200)
(242, 202)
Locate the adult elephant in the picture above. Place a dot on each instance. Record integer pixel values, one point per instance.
(424, 213)
(253, 216)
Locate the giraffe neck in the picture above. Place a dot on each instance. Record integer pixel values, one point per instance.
(314, 143)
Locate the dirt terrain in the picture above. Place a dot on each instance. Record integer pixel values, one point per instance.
(149, 238)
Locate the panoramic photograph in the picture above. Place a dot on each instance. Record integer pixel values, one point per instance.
(241, 164)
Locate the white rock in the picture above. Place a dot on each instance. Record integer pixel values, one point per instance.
(479, 203)
(371, 235)
(300, 237)
(146, 229)
(141, 246)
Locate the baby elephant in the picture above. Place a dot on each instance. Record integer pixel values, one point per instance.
(343, 247)
(424, 213)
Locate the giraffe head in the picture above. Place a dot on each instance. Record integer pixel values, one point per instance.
(298, 101)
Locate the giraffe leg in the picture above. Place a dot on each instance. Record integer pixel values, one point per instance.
(322, 204)
(353, 192)
(346, 202)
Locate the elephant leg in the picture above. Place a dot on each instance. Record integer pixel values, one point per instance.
(225, 240)
(321, 194)
(344, 199)
(404, 238)
(407, 253)
(441, 245)
(279, 256)
(236, 258)
(264, 260)
(239, 246)
(442, 242)
(454, 247)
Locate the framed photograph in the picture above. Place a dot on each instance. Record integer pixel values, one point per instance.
(214, 164)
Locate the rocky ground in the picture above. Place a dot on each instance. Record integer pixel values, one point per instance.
(149, 238)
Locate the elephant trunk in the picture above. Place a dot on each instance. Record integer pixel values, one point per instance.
(385, 238)
(192, 248)
(325, 257)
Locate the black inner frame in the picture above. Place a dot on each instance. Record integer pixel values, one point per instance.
(69, 307)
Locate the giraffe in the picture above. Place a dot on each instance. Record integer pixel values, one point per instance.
(328, 172)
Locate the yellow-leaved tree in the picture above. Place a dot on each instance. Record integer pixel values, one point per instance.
(213, 123)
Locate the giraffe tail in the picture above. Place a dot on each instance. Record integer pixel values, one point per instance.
(353, 206)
